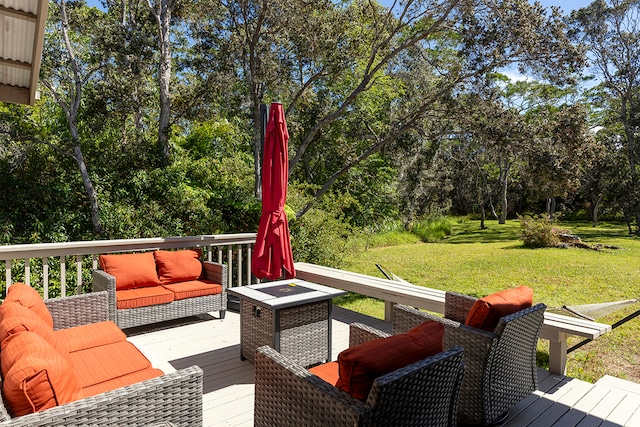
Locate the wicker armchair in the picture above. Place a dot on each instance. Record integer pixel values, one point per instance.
(132, 317)
(424, 393)
(500, 365)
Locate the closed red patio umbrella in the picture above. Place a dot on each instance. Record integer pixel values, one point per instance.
(272, 253)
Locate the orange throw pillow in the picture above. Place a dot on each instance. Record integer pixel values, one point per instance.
(17, 318)
(38, 377)
(360, 365)
(486, 312)
(28, 297)
(178, 266)
(131, 270)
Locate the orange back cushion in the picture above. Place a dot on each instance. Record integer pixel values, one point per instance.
(131, 270)
(28, 297)
(486, 312)
(178, 266)
(36, 376)
(360, 365)
(16, 318)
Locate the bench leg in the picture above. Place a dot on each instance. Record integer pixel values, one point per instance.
(558, 355)
(388, 311)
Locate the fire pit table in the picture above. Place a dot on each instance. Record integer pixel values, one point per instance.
(291, 316)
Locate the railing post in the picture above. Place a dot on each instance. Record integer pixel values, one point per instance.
(79, 274)
(239, 265)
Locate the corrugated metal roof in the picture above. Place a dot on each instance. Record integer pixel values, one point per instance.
(21, 37)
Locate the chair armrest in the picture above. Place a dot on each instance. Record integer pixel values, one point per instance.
(360, 333)
(78, 310)
(289, 395)
(406, 318)
(457, 306)
(103, 281)
(216, 272)
(175, 397)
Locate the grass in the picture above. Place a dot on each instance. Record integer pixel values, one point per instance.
(478, 262)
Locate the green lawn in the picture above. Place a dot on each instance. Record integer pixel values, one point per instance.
(479, 262)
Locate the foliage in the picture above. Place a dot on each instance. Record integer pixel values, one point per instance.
(540, 232)
(431, 230)
(320, 237)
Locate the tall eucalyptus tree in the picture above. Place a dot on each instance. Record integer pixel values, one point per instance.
(69, 63)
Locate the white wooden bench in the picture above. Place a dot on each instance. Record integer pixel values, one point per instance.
(556, 327)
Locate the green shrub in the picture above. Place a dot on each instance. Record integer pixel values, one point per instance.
(539, 232)
(431, 230)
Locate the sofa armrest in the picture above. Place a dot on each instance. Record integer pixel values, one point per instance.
(360, 333)
(103, 281)
(78, 309)
(406, 318)
(216, 272)
(175, 397)
(289, 395)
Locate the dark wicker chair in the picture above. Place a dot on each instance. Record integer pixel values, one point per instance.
(424, 393)
(500, 365)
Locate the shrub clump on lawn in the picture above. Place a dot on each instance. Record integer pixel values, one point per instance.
(539, 232)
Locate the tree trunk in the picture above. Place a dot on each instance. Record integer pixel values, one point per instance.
(482, 216)
(163, 21)
(595, 208)
(551, 208)
(91, 192)
(504, 174)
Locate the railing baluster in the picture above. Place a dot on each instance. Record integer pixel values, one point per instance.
(8, 273)
(94, 258)
(230, 264)
(27, 271)
(45, 277)
(248, 264)
(79, 274)
(239, 265)
(219, 254)
(63, 276)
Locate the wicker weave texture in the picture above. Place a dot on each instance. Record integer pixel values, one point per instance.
(500, 365)
(304, 331)
(175, 397)
(77, 310)
(128, 318)
(422, 394)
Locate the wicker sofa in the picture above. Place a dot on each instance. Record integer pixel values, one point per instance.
(500, 364)
(175, 397)
(424, 393)
(167, 273)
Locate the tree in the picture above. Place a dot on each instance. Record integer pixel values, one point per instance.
(611, 31)
(162, 11)
(69, 63)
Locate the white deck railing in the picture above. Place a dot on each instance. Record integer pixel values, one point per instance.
(46, 264)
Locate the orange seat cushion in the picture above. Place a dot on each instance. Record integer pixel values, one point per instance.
(131, 270)
(36, 376)
(28, 297)
(135, 377)
(360, 365)
(89, 335)
(178, 266)
(99, 364)
(194, 288)
(330, 372)
(17, 318)
(486, 312)
(142, 297)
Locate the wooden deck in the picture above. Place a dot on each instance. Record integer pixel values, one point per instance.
(214, 345)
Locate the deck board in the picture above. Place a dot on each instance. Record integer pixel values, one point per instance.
(214, 345)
